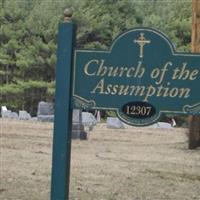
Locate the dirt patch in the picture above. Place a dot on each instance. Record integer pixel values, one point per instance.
(128, 164)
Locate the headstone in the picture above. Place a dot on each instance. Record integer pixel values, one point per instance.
(45, 118)
(115, 123)
(3, 108)
(155, 125)
(14, 115)
(77, 125)
(173, 122)
(98, 116)
(77, 117)
(6, 114)
(45, 112)
(88, 120)
(45, 108)
(34, 119)
(24, 115)
(164, 125)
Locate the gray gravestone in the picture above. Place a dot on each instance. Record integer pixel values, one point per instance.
(77, 125)
(24, 115)
(45, 112)
(115, 123)
(45, 118)
(5, 113)
(14, 115)
(45, 108)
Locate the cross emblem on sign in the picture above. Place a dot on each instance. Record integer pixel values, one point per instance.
(141, 41)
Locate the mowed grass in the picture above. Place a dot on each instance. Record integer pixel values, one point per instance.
(124, 164)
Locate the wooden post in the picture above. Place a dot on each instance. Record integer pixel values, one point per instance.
(63, 111)
(194, 121)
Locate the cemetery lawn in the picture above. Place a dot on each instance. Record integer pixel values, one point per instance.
(127, 164)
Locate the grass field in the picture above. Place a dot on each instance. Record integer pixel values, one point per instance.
(126, 164)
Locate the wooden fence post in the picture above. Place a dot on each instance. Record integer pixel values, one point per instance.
(194, 121)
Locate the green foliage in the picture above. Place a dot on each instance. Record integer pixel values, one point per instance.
(28, 38)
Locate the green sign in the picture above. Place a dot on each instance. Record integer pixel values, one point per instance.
(139, 77)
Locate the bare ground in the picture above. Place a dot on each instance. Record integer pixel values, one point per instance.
(129, 164)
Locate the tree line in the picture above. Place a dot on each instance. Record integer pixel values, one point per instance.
(28, 30)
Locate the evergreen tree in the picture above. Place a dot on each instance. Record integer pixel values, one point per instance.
(28, 38)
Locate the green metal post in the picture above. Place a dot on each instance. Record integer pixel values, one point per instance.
(63, 114)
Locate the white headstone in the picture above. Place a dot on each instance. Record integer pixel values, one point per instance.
(173, 122)
(3, 108)
(113, 122)
(160, 125)
(164, 125)
(98, 116)
(88, 119)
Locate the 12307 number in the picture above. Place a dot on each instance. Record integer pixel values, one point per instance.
(138, 109)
